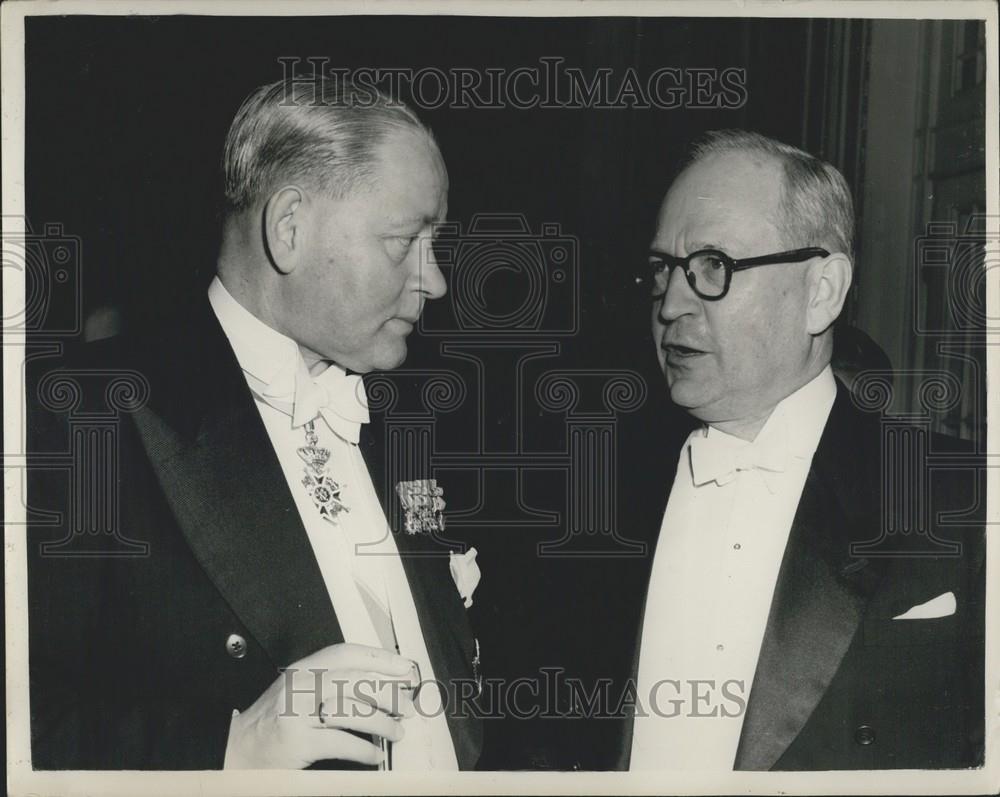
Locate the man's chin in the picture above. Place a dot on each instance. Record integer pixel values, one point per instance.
(384, 354)
(389, 358)
(685, 392)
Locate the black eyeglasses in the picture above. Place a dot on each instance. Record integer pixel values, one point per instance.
(710, 271)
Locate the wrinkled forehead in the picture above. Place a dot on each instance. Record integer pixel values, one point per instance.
(410, 171)
(410, 152)
(723, 194)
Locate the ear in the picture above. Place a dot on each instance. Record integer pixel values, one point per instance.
(284, 228)
(830, 284)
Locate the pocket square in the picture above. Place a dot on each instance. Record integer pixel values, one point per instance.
(941, 606)
(466, 573)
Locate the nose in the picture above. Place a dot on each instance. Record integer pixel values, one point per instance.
(430, 280)
(679, 298)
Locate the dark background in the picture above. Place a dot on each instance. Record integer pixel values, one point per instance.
(126, 117)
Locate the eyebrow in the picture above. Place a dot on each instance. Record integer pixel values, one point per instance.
(697, 247)
(406, 221)
(709, 245)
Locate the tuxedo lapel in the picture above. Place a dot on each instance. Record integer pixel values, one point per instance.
(442, 616)
(215, 463)
(447, 635)
(821, 590)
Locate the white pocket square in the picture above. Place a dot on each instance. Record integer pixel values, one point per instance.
(466, 573)
(941, 606)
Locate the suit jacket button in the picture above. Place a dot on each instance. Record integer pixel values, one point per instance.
(236, 646)
(864, 735)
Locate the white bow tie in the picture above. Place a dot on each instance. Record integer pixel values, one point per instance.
(333, 395)
(714, 458)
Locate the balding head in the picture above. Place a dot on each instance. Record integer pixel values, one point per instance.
(815, 206)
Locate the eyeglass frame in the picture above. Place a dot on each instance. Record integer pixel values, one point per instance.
(730, 264)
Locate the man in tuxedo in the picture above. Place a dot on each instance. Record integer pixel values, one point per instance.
(788, 624)
(250, 606)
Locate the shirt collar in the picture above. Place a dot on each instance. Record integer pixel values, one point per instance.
(801, 416)
(261, 351)
(793, 429)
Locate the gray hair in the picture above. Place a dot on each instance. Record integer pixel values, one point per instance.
(323, 131)
(816, 206)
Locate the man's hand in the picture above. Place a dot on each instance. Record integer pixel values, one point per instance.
(305, 715)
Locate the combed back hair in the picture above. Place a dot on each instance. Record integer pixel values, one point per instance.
(816, 206)
(324, 132)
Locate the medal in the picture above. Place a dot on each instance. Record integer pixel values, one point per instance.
(423, 503)
(322, 489)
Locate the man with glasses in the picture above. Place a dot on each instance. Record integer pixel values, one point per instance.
(769, 638)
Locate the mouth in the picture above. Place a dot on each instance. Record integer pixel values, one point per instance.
(677, 354)
(405, 323)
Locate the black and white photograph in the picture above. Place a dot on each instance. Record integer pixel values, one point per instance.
(500, 398)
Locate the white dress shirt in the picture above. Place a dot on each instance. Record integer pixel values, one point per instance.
(359, 546)
(720, 547)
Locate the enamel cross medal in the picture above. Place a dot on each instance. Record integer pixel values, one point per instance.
(323, 490)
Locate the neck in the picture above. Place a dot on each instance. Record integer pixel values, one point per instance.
(314, 362)
(749, 426)
(744, 428)
(246, 273)
(242, 290)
